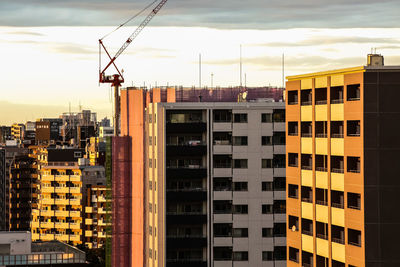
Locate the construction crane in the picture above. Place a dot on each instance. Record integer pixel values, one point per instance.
(117, 79)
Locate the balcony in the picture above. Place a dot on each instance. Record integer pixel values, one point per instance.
(75, 238)
(89, 209)
(61, 178)
(186, 242)
(75, 178)
(61, 237)
(88, 221)
(61, 201)
(88, 233)
(186, 218)
(189, 127)
(190, 149)
(61, 213)
(47, 178)
(101, 199)
(75, 190)
(62, 190)
(46, 213)
(186, 262)
(61, 225)
(46, 237)
(46, 225)
(188, 172)
(48, 189)
(47, 201)
(34, 225)
(75, 225)
(74, 213)
(76, 201)
(101, 211)
(187, 195)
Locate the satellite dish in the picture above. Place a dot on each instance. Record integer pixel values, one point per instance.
(294, 229)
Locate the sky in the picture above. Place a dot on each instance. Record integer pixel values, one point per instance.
(50, 60)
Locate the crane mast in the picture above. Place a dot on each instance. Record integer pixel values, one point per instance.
(117, 79)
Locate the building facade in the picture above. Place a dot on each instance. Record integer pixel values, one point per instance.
(342, 165)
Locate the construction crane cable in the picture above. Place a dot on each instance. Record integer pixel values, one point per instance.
(131, 18)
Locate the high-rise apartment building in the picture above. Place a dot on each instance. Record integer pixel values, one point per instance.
(342, 170)
(97, 216)
(167, 211)
(59, 213)
(18, 131)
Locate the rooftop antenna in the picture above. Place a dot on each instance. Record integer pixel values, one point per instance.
(240, 65)
(212, 80)
(283, 70)
(200, 70)
(245, 80)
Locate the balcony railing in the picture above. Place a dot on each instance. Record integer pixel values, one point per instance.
(354, 244)
(338, 240)
(337, 135)
(354, 207)
(321, 169)
(337, 101)
(336, 170)
(294, 259)
(338, 205)
(293, 133)
(354, 170)
(321, 135)
(321, 102)
(353, 134)
(353, 98)
(306, 134)
(306, 199)
(306, 103)
(321, 202)
(322, 236)
(306, 167)
(306, 232)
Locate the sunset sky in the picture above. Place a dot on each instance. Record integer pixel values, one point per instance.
(49, 48)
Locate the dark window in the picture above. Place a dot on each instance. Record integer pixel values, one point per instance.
(222, 138)
(266, 140)
(222, 115)
(306, 161)
(222, 229)
(353, 164)
(267, 232)
(240, 186)
(279, 183)
(279, 115)
(267, 255)
(293, 160)
(222, 161)
(306, 194)
(307, 258)
(266, 163)
(267, 209)
(293, 223)
(337, 234)
(279, 161)
(240, 232)
(321, 163)
(336, 94)
(322, 230)
(320, 96)
(294, 254)
(280, 253)
(337, 199)
(240, 118)
(293, 97)
(279, 229)
(353, 128)
(338, 264)
(306, 97)
(222, 206)
(354, 237)
(267, 186)
(240, 209)
(266, 117)
(337, 164)
(293, 191)
(321, 196)
(240, 256)
(150, 140)
(354, 201)
(321, 129)
(222, 184)
(307, 227)
(293, 127)
(322, 261)
(353, 92)
(240, 140)
(222, 253)
(279, 206)
(279, 138)
(240, 164)
(337, 129)
(306, 129)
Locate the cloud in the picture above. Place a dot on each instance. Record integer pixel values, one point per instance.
(332, 40)
(26, 33)
(233, 14)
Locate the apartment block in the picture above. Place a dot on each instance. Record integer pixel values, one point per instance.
(59, 210)
(18, 131)
(342, 166)
(140, 219)
(97, 220)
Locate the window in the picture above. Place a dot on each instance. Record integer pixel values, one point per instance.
(307, 227)
(240, 232)
(150, 185)
(150, 140)
(150, 163)
(306, 162)
(279, 183)
(267, 209)
(353, 128)
(266, 140)
(240, 118)
(150, 230)
(267, 256)
(279, 229)
(337, 164)
(150, 118)
(222, 115)
(279, 161)
(322, 230)
(222, 206)
(321, 129)
(240, 209)
(337, 199)
(293, 191)
(320, 96)
(306, 194)
(267, 232)
(293, 127)
(337, 129)
(279, 206)
(150, 253)
(321, 163)
(293, 223)
(266, 117)
(336, 94)
(240, 256)
(306, 129)
(293, 160)
(353, 164)
(240, 186)
(240, 140)
(353, 92)
(337, 234)
(222, 184)
(240, 164)
(266, 163)
(321, 196)
(293, 97)
(293, 254)
(150, 207)
(267, 186)
(222, 138)
(222, 161)
(354, 237)
(280, 253)
(279, 138)
(222, 253)
(279, 115)
(222, 229)
(306, 97)
(354, 201)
